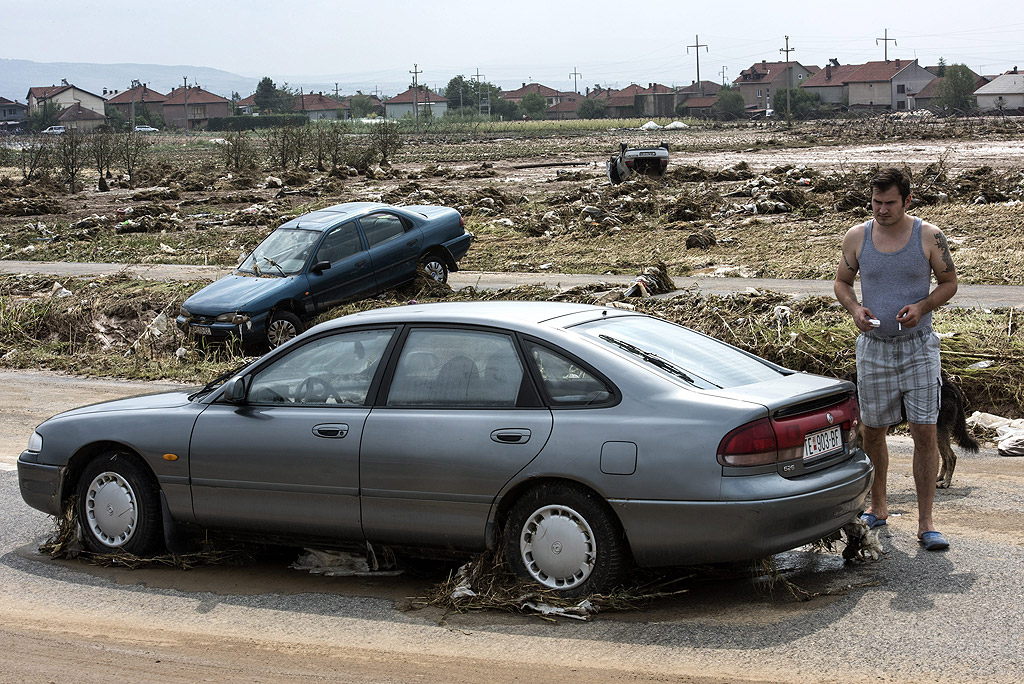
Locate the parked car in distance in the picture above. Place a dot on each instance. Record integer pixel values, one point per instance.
(54, 130)
(320, 260)
(580, 439)
(146, 129)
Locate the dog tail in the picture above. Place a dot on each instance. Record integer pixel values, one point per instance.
(959, 428)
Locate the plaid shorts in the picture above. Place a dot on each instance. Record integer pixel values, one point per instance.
(895, 373)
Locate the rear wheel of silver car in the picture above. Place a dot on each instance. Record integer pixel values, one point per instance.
(565, 539)
(282, 326)
(119, 506)
(435, 267)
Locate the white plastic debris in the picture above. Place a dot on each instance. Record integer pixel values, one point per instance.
(58, 290)
(981, 364)
(650, 126)
(167, 248)
(337, 564)
(675, 125)
(1010, 433)
(581, 611)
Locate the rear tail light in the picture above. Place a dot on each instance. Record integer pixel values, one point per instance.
(462, 221)
(768, 441)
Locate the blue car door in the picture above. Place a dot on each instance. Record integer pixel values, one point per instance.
(350, 274)
(395, 244)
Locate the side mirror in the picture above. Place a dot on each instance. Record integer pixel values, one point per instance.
(321, 266)
(234, 390)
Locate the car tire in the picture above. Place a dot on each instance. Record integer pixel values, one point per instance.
(281, 327)
(435, 267)
(119, 506)
(584, 550)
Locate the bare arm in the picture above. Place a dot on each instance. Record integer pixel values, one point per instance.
(846, 275)
(937, 250)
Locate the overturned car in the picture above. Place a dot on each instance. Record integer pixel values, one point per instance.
(647, 161)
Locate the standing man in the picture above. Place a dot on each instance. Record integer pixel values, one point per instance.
(897, 354)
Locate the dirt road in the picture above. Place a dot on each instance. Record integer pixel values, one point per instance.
(914, 616)
(992, 296)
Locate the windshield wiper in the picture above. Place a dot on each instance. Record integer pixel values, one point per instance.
(272, 263)
(651, 358)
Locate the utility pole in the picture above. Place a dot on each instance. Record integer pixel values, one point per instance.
(186, 104)
(336, 96)
(722, 73)
(885, 44)
(697, 46)
(135, 84)
(480, 94)
(789, 77)
(415, 94)
(574, 75)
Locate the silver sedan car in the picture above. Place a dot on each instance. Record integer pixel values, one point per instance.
(581, 439)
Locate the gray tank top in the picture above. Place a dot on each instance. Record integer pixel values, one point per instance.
(888, 282)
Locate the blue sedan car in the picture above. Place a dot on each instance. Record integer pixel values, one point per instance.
(320, 260)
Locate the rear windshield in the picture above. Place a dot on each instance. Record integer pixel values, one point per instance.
(683, 354)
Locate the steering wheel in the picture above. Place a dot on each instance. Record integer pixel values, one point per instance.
(315, 390)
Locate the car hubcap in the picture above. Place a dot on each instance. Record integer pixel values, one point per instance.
(435, 269)
(558, 547)
(111, 509)
(280, 331)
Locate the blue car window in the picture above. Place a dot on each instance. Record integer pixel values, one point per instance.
(464, 368)
(328, 371)
(341, 243)
(283, 252)
(381, 227)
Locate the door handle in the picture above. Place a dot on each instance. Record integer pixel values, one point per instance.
(413, 242)
(330, 430)
(511, 436)
(361, 263)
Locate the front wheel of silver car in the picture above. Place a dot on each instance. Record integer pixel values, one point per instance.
(435, 267)
(282, 326)
(565, 539)
(119, 506)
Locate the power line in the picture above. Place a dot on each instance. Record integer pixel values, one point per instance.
(697, 46)
(885, 44)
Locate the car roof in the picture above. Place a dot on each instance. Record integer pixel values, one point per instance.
(519, 315)
(321, 219)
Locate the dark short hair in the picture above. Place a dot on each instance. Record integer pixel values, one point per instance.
(892, 177)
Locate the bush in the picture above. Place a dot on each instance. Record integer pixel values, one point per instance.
(246, 123)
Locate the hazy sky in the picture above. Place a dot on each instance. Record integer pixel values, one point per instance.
(609, 42)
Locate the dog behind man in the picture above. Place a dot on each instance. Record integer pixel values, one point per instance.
(952, 424)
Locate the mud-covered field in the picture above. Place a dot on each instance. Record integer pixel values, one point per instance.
(752, 200)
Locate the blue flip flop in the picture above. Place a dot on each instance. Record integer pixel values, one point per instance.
(933, 541)
(872, 520)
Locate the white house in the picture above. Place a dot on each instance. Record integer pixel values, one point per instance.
(1002, 93)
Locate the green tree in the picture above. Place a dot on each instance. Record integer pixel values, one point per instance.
(360, 105)
(941, 71)
(956, 92)
(592, 109)
(803, 104)
(44, 116)
(729, 105)
(385, 139)
(270, 99)
(534, 105)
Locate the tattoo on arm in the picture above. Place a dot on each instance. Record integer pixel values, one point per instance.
(848, 264)
(940, 241)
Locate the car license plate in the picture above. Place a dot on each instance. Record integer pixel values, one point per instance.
(820, 443)
(200, 330)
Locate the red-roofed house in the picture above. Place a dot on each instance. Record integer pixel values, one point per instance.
(565, 108)
(421, 97)
(247, 105)
(12, 114)
(630, 101)
(64, 95)
(318, 106)
(551, 96)
(700, 105)
(140, 97)
(1004, 94)
(202, 106)
(758, 83)
(81, 118)
(830, 83)
(887, 85)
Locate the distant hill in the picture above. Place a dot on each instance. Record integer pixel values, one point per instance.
(18, 75)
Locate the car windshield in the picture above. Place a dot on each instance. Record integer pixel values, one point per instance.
(283, 252)
(687, 356)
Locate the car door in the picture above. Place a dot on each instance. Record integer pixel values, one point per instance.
(286, 460)
(460, 418)
(350, 275)
(395, 245)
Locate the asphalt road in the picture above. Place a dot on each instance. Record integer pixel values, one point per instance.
(991, 296)
(914, 616)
